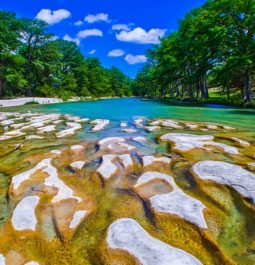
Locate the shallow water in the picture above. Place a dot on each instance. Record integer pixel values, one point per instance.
(229, 239)
(127, 108)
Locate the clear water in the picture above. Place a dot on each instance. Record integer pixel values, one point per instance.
(128, 108)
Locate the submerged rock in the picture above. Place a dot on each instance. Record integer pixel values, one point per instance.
(126, 234)
(228, 174)
(185, 142)
(176, 202)
(24, 217)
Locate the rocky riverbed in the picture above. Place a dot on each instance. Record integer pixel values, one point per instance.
(158, 191)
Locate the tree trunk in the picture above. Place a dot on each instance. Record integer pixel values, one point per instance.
(1, 88)
(206, 94)
(28, 92)
(247, 88)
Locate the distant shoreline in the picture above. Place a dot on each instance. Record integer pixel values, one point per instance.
(15, 102)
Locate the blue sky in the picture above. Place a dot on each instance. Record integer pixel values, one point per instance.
(118, 32)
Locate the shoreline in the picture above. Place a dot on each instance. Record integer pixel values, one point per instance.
(16, 102)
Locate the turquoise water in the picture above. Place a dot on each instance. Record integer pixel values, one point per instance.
(128, 108)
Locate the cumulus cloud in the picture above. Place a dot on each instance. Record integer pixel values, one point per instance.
(92, 52)
(78, 23)
(89, 32)
(135, 59)
(121, 27)
(116, 53)
(141, 36)
(98, 17)
(69, 38)
(53, 17)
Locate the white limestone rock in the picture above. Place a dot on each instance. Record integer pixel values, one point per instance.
(77, 147)
(99, 124)
(151, 128)
(148, 160)
(24, 217)
(56, 152)
(107, 168)
(18, 179)
(47, 129)
(2, 259)
(126, 160)
(123, 124)
(127, 235)
(115, 144)
(129, 130)
(228, 174)
(64, 192)
(73, 126)
(77, 165)
(77, 217)
(229, 128)
(139, 139)
(212, 127)
(191, 125)
(186, 142)
(240, 141)
(34, 137)
(176, 202)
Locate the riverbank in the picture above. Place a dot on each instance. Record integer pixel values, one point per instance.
(31, 100)
(15, 102)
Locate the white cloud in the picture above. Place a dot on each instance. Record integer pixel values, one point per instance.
(68, 38)
(89, 32)
(78, 23)
(135, 59)
(121, 27)
(116, 53)
(53, 17)
(92, 52)
(98, 17)
(141, 36)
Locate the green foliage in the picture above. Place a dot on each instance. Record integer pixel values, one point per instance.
(214, 45)
(33, 63)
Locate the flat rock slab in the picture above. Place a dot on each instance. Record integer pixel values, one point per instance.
(228, 174)
(176, 202)
(77, 217)
(126, 234)
(148, 160)
(115, 144)
(99, 124)
(24, 217)
(107, 168)
(77, 165)
(186, 142)
(2, 259)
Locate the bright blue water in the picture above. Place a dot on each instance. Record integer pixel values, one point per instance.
(128, 108)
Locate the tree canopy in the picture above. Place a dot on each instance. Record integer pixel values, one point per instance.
(34, 63)
(213, 47)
